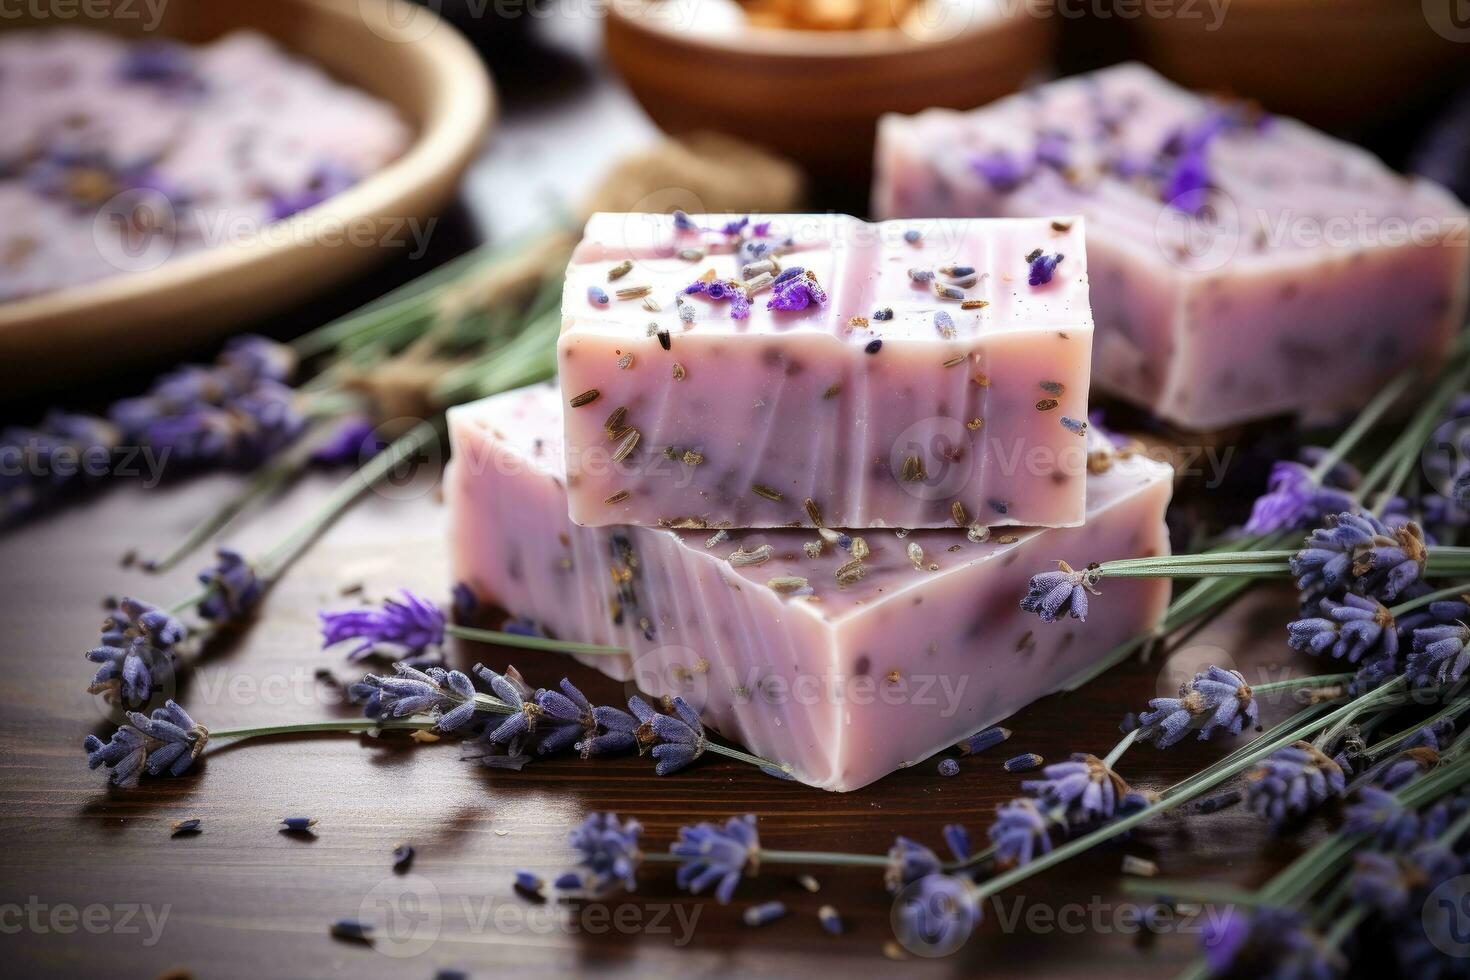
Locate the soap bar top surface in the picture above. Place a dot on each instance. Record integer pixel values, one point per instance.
(862, 267)
(1116, 144)
(725, 371)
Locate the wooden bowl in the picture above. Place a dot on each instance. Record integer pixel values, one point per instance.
(816, 96)
(1338, 64)
(401, 53)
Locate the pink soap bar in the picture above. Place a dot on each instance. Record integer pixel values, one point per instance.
(843, 669)
(800, 370)
(1243, 265)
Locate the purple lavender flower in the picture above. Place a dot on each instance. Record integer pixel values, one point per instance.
(352, 441)
(1334, 550)
(512, 689)
(234, 588)
(1000, 169)
(136, 652)
(796, 292)
(124, 754)
(1374, 673)
(1269, 942)
(166, 64)
(939, 913)
(1042, 267)
(174, 740)
(722, 290)
(567, 716)
(957, 838)
(609, 849)
(1350, 630)
(168, 741)
(1406, 767)
(621, 731)
(908, 861)
(250, 358)
(1293, 781)
(327, 180)
(681, 738)
(411, 628)
(1378, 812)
(1050, 594)
(1216, 700)
(714, 854)
(40, 464)
(1295, 501)
(1387, 882)
(234, 413)
(1052, 148)
(1188, 177)
(1083, 786)
(448, 694)
(1020, 832)
(464, 602)
(1439, 655)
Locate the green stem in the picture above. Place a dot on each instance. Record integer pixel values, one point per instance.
(374, 470)
(524, 642)
(1365, 421)
(1117, 753)
(1453, 832)
(414, 722)
(1316, 680)
(740, 756)
(406, 298)
(1450, 592)
(836, 858)
(1191, 891)
(1396, 464)
(263, 482)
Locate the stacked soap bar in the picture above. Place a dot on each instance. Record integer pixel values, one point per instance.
(844, 655)
(1242, 265)
(817, 370)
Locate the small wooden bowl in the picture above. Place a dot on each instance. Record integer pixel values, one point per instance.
(401, 53)
(1337, 64)
(816, 96)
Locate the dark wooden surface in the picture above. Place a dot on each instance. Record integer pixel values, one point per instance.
(82, 866)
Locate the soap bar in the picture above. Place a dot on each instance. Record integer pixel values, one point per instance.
(805, 370)
(844, 656)
(1243, 265)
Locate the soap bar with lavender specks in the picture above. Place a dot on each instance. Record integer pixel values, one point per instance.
(1243, 265)
(843, 655)
(817, 370)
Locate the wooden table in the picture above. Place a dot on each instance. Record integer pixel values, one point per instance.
(91, 881)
